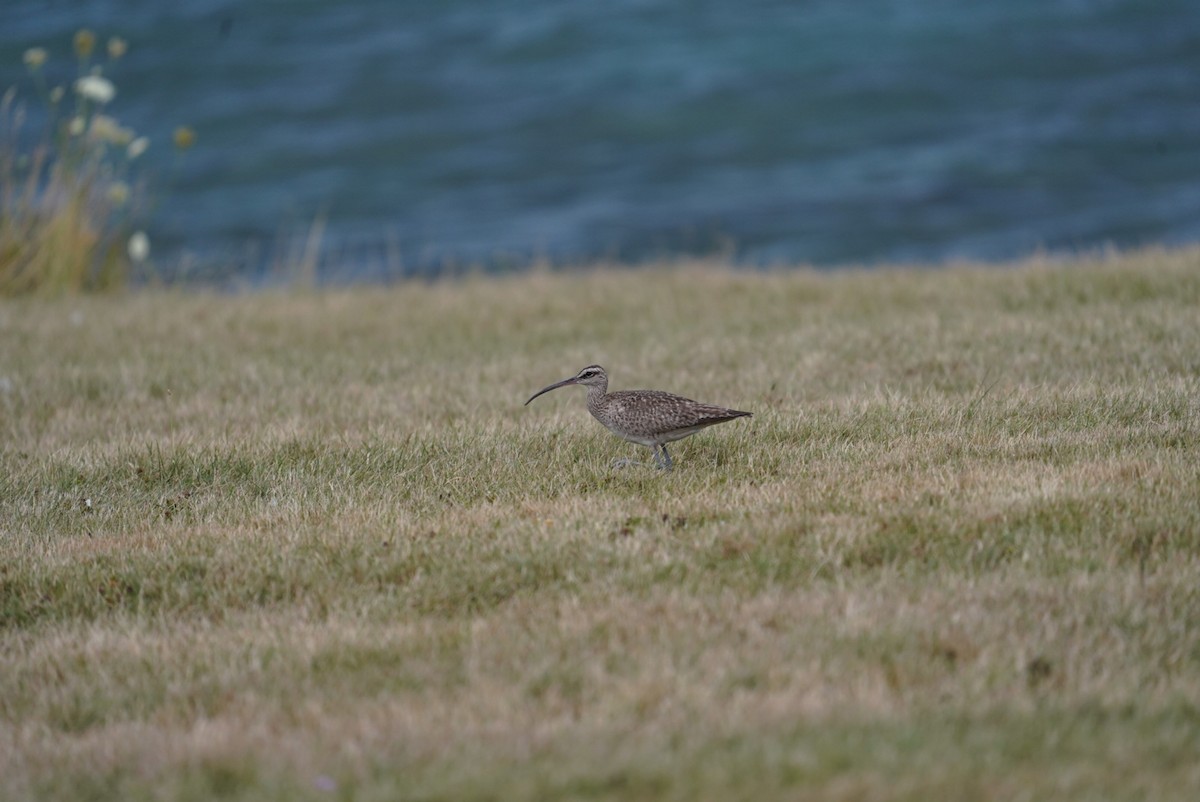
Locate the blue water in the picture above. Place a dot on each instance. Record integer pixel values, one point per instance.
(809, 131)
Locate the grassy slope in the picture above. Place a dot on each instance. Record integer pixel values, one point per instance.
(302, 546)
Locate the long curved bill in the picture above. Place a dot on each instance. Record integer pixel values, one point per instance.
(554, 386)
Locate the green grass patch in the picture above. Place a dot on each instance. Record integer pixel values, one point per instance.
(312, 545)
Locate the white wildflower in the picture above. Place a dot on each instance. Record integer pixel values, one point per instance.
(107, 129)
(35, 57)
(96, 88)
(56, 94)
(75, 127)
(139, 246)
(138, 146)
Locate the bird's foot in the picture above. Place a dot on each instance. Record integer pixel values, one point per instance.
(624, 462)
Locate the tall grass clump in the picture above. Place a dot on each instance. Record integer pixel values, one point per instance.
(70, 197)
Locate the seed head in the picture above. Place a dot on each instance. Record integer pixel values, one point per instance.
(184, 137)
(85, 42)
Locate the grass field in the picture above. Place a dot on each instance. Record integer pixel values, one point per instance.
(307, 545)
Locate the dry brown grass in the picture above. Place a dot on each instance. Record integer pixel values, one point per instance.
(328, 552)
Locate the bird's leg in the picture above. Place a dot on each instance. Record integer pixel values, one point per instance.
(665, 463)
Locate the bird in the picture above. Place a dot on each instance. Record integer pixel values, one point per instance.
(650, 418)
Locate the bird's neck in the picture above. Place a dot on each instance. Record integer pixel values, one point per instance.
(595, 395)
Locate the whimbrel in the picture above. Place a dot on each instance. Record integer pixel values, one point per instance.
(650, 418)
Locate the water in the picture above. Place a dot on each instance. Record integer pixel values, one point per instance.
(825, 131)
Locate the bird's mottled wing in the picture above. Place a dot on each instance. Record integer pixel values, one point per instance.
(657, 410)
